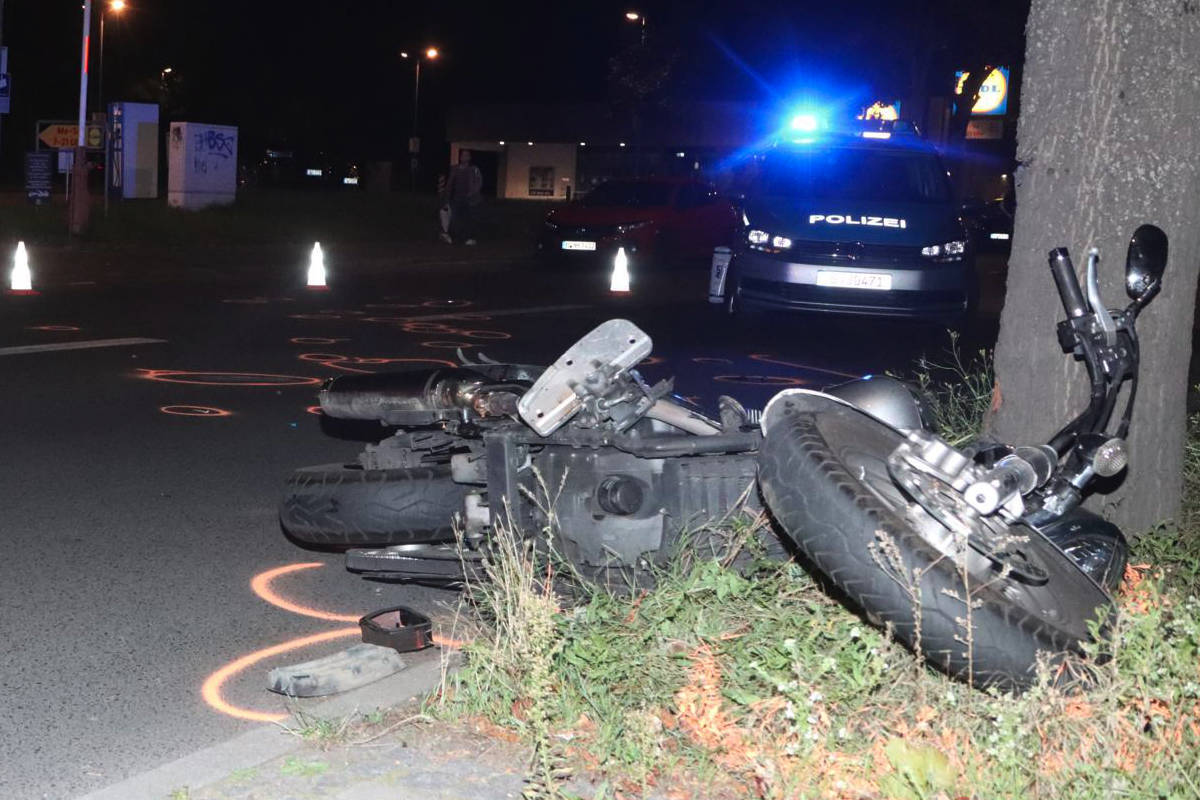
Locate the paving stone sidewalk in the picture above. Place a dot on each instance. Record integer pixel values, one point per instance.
(437, 761)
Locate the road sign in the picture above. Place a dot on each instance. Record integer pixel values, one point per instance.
(65, 135)
(39, 176)
(5, 80)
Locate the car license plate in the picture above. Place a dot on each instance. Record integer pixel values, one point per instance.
(574, 245)
(855, 280)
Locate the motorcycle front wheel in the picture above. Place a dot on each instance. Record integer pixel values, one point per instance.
(825, 478)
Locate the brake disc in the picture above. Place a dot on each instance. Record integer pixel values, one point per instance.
(933, 474)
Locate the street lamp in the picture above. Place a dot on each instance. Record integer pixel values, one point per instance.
(116, 7)
(414, 143)
(77, 214)
(635, 16)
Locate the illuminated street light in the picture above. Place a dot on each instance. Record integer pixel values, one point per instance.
(634, 16)
(115, 7)
(430, 54)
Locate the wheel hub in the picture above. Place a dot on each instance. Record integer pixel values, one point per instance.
(935, 475)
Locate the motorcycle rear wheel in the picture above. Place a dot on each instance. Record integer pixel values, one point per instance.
(337, 507)
(824, 476)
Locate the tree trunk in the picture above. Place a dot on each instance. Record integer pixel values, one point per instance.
(1107, 140)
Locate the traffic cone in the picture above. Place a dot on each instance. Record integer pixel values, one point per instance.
(21, 280)
(316, 270)
(620, 274)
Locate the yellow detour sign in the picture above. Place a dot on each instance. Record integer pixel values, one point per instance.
(65, 135)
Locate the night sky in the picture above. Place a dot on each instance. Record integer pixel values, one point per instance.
(327, 74)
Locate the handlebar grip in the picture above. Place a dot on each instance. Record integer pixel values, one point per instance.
(1068, 285)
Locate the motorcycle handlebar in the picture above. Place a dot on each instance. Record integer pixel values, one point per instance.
(1068, 284)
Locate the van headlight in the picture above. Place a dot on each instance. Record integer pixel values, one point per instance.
(947, 251)
(758, 237)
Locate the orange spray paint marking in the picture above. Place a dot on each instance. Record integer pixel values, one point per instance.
(195, 411)
(225, 378)
(448, 345)
(427, 327)
(496, 335)
(711, 360)
(315, 340)
(447, 303)
(315, 410)
(261, 586)
(340, 362)
(211, 689)
(769, 359)
(759, 380)
(64, 328)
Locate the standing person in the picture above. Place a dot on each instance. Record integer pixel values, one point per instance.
(463, 190)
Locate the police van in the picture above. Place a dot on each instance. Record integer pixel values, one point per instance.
(854, 222)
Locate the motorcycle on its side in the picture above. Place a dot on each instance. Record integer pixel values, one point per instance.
(979, 558)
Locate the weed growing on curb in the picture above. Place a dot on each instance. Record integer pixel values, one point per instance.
(958, 392)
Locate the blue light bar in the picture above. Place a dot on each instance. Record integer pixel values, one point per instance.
(804, 123)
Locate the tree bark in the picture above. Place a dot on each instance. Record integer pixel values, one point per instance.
(1107, 140)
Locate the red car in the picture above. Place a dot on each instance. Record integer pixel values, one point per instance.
(667, 219)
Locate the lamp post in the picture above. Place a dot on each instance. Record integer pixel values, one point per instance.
(414, 142)
(78, 207)
(640, 18)
(116, 7)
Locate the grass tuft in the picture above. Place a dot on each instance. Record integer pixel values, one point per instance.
(959, 392)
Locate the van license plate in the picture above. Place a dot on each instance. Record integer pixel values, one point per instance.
(855, 280)
(571, 245)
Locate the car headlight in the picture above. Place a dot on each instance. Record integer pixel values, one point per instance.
(758, 237)
(781, 243)
(947, 251)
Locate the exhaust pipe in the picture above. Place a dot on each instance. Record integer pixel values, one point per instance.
(418, 397)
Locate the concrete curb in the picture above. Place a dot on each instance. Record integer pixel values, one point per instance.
(267, 742)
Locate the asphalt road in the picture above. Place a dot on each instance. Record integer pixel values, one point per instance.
(131, 535)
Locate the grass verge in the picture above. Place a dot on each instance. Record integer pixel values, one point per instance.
(718, 685)
(722, 685)
(271, 217)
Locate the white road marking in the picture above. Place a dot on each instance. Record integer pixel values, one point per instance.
(503, 312)
(89, 345)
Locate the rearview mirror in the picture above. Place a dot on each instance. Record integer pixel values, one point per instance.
(1145, 262)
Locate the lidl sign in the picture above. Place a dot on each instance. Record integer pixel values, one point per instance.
(993, 94)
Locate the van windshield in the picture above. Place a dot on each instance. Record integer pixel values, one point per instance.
(853, 174)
